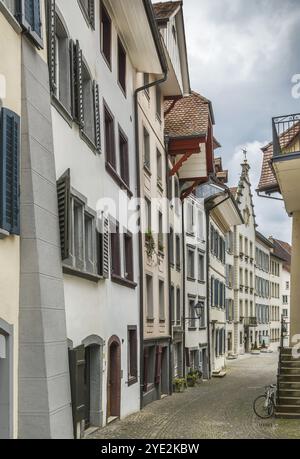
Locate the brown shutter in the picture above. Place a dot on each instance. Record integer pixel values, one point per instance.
(77, 371)
(158, 365)
(103, 248)
(129, 256)
(51, 27)
(97, 116)
(63, 196)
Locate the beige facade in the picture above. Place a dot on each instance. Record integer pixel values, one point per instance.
(10, 98)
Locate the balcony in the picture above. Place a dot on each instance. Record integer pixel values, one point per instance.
(286, 158)
(250, 322)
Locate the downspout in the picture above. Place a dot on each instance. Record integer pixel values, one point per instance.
(158, 44)
(207, 213)
(184, 289)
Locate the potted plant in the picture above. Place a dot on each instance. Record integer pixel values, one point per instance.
(191, 379)
(179, 385)
(150, 243)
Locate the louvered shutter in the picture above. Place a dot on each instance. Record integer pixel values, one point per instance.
(92, 13)
(158, 365)
(28, 13)
(103, 248)
(63, 195)
(9, 172)
(78, 88)
(97, 116)
(51, 27)
(72, 78)
(77, 372)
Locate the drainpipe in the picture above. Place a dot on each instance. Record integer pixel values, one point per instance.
(184, 289)
(208, 211)
(159, 48)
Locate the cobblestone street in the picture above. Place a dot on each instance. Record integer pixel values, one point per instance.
(218, 409)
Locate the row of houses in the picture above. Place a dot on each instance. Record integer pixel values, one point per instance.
(126, 260)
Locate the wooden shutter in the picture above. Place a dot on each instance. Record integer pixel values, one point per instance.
(64, 198)
(97, 116)
(92, 13)
(77, 371)
(158, 365)
(146, 362)
(128, 242)
(103, 248)
(28, 13)
(78, 112)
(51, 27)
(9, 172)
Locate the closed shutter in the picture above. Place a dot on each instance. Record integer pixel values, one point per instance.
(78, 112)
(103, 248)
(146, 363)
(97, 116)
(92, 13)
(77, 380)
(64, 198)
(187, 357)
(28, 13)
(158, 365)
(9, 172)
(51, 27)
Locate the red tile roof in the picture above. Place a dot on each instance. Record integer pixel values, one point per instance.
(187, 116)
(164, 10)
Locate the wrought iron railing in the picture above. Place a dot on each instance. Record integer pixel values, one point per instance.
(286, 134)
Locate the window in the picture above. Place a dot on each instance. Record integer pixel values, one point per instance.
(147, 162)
(121, 66)
(148, 215)
(191, 264)
(82, 250)
(160, 233)
(88, 9)
(146, 83)
(177, 195)
(287, 285)
(109, 138)
(124, 158)
(162, 312)
(115, 251)
(201, 273)
(190, 218)
(158, 102)
(192, 314)
(29, 16)
(178, 253)
(88, 105)
(178, 306)
(159, 167)
(285, 299)
(105, 35)
(171, 247)
(202, 314)
(172, 301)
(128, 255)
(149, 297)
(61, 81)
(9, 171)
(132, 355)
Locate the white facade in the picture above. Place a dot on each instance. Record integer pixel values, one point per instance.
(196, 333)
(285, 309)
(263, 292)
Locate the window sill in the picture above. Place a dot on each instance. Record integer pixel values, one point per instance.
(202, 282)
(147, 170)
(191, 279)
(10, 18)
(162, 321)
(62, 110)
(107, 62)
(123, 90)
(118, 180)
(132, 381)
(192, 328)
(160, 186)
(83, 274)
(4, 234)
(123, 282)
(89, 142)
(150, 321)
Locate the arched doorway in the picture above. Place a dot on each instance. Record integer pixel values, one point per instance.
(114, 379)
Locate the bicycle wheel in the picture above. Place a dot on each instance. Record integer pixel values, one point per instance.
(260, 408)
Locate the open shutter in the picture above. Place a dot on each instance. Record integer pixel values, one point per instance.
(63, 196)
(158, 365)
(72, 78)
(103, 248)
(78, 88)
(28, 13)
(77, 371)
(51, 27)
(92, 13)
(97, 116)
(9, 172)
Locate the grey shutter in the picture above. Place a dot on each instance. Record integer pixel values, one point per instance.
(9, 172)
(97, 116)
(78, 88)
(51, 26)
(77, 371)
(28, 13)
(72, 78)
(63, 196)
(92, 13)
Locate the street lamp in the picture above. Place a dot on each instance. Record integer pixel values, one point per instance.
(198, 309)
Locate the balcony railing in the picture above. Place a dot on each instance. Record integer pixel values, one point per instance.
(286, 135)
(250, 322)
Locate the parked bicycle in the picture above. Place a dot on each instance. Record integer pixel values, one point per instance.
(264, 405)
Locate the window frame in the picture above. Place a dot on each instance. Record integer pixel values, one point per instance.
(121, 49)
(108, 61)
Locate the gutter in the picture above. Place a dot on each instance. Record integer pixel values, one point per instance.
(156, 36)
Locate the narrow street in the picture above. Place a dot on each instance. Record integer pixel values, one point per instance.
(218, 409)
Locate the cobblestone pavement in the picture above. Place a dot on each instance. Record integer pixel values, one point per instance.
(218, 409)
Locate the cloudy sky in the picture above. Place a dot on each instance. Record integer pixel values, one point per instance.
(243, 55)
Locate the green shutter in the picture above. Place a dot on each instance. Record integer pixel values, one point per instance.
(28, 13)
(63, 196)
(97, 116)
(9, 172)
